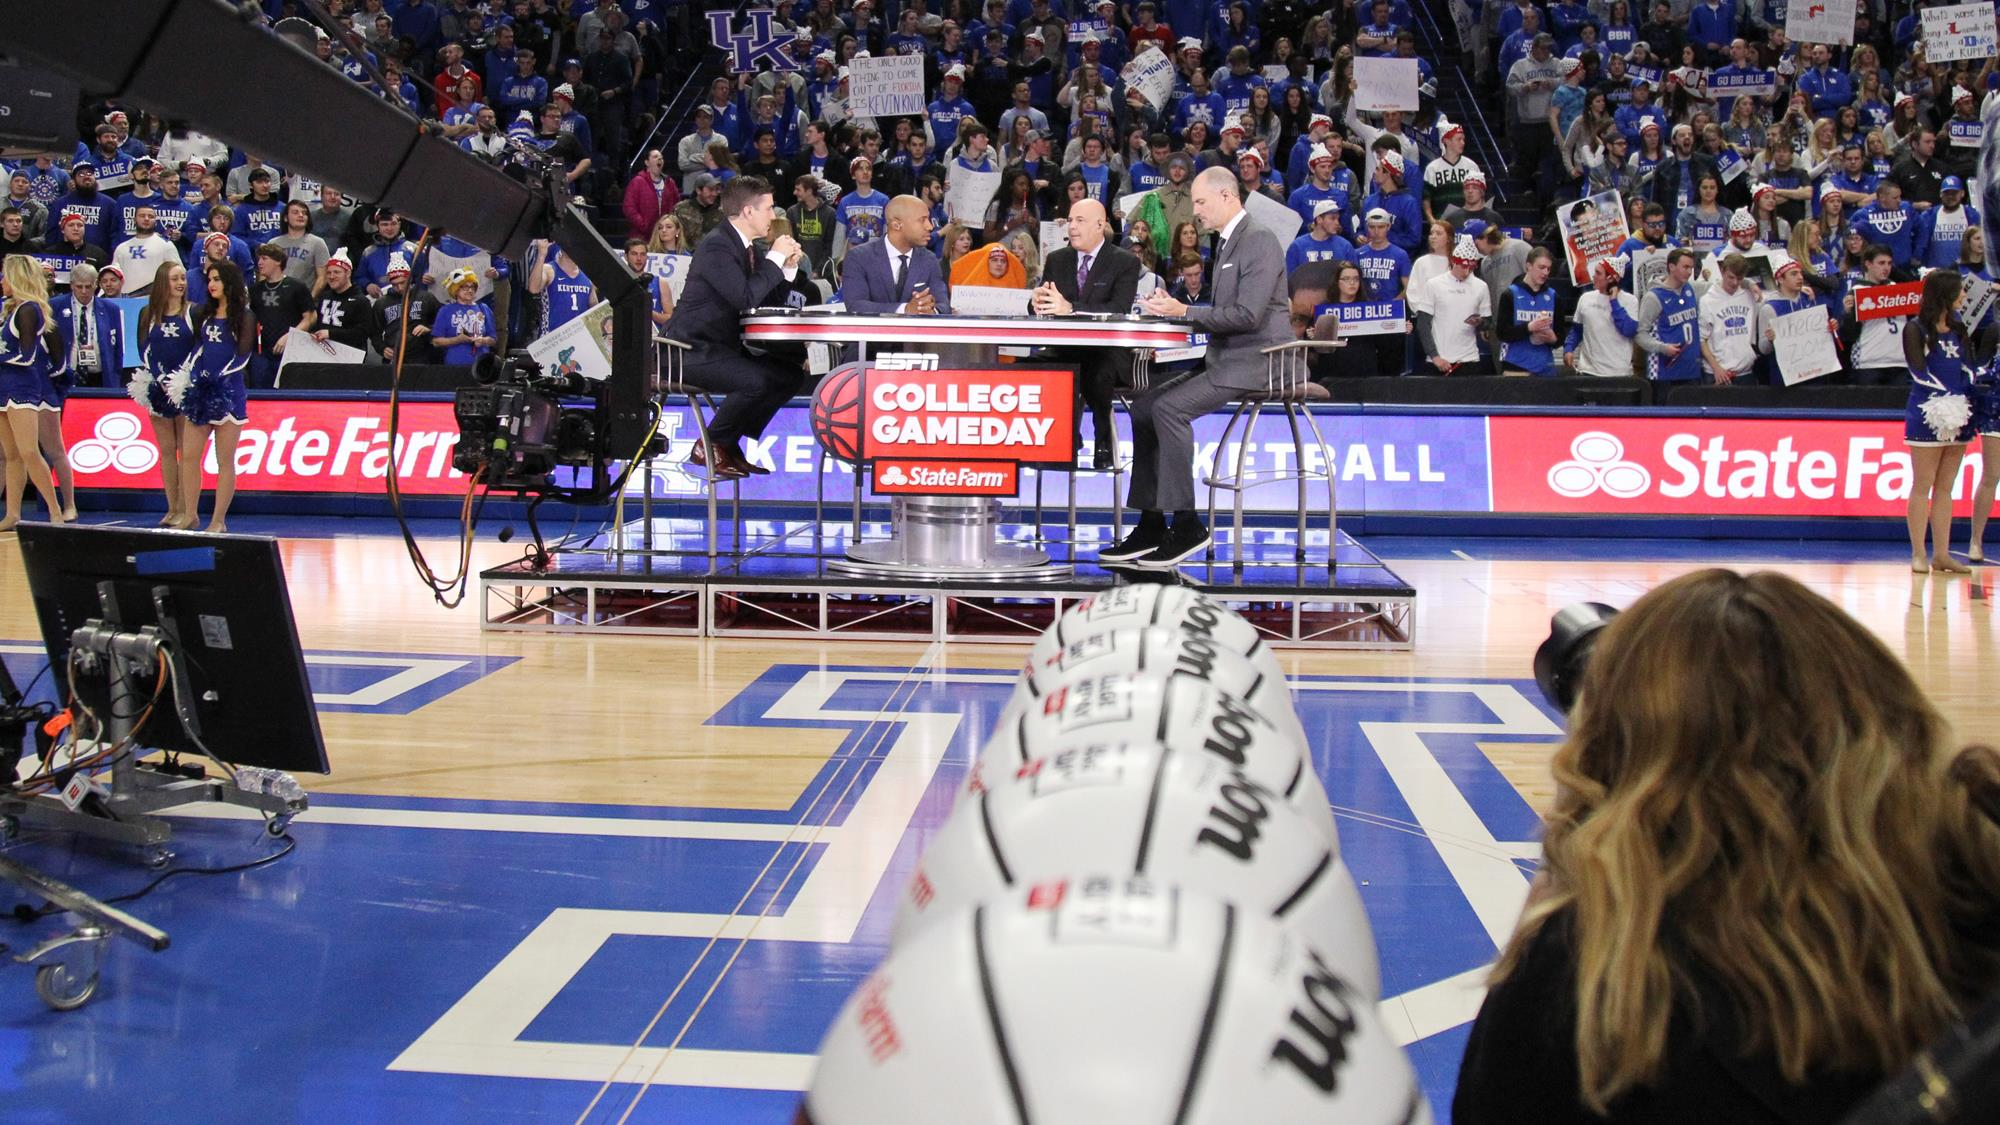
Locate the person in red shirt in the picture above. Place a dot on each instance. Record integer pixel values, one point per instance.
(451, 68)
(1149, 29)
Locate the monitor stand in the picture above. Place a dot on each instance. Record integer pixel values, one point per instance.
(132, 661)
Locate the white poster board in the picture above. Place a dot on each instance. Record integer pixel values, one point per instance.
(1128, 205)
(888, 85)
(672, 270)
(1962, 31)
(1054, 236)
(580, 347)
(988, 300)
(967, 193)
(1152, 74)
(1980, 295)
(300, 346)
(1592, 230)
(1803, 346)
(1820, 21)
(1274, 216)
(1383, 84)
(1276, 72)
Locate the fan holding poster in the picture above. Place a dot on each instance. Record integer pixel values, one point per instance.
(1592, 229)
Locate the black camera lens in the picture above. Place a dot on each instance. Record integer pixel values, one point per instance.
(1560, 662)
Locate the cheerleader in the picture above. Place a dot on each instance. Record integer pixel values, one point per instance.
(1937, 423)
(1985, 395)
(27, 383)
(166, 332)
(213, 397)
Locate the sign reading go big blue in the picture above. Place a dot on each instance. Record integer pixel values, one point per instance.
(1754, 83)
(1368, 318)
(747, 48)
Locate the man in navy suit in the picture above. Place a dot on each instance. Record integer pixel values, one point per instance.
(93, 332)
(731, 275)
(897, 273)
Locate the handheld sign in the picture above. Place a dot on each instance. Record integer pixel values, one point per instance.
(886, 86)
(1961, 31)
(1880, 302)
(1803, 346)
(1592, 230)
(1368, 318)
(1384, 84)
(1755, 84)
(1820, 21)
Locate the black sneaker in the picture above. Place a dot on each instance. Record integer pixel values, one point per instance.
(1141, 540)
(1181, 541)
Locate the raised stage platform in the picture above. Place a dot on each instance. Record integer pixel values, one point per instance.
(780, 585)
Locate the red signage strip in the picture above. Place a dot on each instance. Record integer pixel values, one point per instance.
(289, 445)
(1703, 467)
(1878, 302)
(946, 478)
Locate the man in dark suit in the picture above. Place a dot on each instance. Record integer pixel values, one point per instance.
(897, 273)
(1248, 311)
(731, 275)
(1091, 274)
(93, 333)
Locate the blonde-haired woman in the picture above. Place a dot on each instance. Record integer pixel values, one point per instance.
(27, 384)
(1760, 894)
(667, 237)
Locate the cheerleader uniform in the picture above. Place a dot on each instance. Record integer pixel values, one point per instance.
(1938, 412)
(215, 391)
(163, 356)
(27, 369)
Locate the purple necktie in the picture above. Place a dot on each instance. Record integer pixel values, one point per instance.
(1082, 271)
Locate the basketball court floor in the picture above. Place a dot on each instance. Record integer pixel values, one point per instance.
(605, 879)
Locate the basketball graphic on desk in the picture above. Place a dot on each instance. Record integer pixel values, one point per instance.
(836, 413)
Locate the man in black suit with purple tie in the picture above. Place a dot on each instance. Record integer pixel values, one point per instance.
(732, 274)
(1092, 274)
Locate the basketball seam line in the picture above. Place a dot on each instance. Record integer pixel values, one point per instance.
(1293, 899)
(1208, 1015)
(1152, 810)
(993, 840)
(993, 1020)
(1298, 775)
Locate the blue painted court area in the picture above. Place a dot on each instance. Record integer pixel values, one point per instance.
(426, 960)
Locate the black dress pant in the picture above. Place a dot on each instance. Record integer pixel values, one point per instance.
(1098, 373)
(753, 388)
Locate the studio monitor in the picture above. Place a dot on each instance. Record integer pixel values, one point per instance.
(37, 112)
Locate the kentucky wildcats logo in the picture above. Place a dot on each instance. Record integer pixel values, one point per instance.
(746, 48)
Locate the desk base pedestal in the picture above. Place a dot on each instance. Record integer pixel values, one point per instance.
(948, 538)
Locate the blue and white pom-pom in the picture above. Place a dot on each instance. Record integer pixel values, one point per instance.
(139, 388)
(209, 399)
(1947, 415)
(175, 385)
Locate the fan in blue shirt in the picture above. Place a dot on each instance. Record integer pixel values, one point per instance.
(1322, 241)
(1890, 222)
(1406, 214)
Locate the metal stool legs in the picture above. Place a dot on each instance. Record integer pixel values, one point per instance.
(1289, 387)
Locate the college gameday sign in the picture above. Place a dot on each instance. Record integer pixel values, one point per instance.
(957, 432)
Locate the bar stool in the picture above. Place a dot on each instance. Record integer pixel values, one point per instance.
(1288, 387)
(1139, 380)
(670, 378)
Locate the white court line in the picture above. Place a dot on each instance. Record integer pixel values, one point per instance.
(481, 1033)
(537, 823)
(416, 671)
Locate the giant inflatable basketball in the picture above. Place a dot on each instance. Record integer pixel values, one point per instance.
(1157, 607)
(1111, 1001)
(1162, 652)
(1141, 709)
(836, 413)
(1147, 811)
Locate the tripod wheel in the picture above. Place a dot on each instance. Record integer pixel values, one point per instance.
(63, 990)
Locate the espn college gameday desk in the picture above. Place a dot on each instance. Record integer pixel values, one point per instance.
(943, 431)
(970, 424)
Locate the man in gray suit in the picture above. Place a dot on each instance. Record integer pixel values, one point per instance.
(1250, 312)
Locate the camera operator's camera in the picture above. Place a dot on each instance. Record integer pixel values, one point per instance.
(512, 426)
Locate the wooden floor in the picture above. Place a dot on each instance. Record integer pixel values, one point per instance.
(575, 716)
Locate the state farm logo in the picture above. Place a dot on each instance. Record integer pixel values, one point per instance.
(981, 478)
(1598, 464)
(894, 475)
(115, 443)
